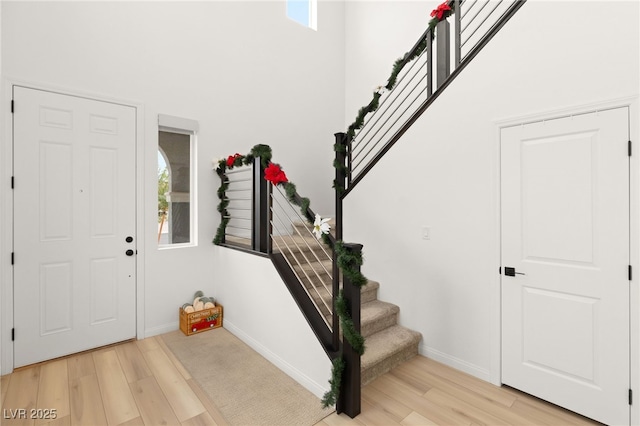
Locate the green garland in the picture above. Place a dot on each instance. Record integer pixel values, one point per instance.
(349, 332)
(331, 396)
(350, 262)
(341, 148)
(261, 151)
(398, 66)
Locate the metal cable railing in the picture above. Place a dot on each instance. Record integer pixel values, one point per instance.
(240, 198)
(474, 23)
(307, 257)
(411, 89)
(486, 15)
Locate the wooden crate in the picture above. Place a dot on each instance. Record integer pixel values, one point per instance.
(197, 322)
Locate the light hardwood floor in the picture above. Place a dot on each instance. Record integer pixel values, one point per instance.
(142, 383)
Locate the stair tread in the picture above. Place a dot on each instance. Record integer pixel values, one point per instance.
(315, 267)
(387, 342)
(370, 285)
(301, 240)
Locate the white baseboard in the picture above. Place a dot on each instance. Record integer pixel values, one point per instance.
(161, 329)
(456, 363)
(294, 373)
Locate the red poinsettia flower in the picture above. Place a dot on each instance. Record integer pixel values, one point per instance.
(440, 11)
(232, 159)
(275, 174)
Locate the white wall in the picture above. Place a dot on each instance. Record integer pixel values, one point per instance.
(244, 71)
(444, 172)
(259, 309)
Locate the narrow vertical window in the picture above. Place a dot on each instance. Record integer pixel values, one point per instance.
(176, 184)
(303, 12)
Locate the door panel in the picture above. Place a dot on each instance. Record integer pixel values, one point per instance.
(565, 230)
(74, 200)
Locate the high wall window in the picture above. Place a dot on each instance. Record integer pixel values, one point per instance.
(303, 12)
(176, 182)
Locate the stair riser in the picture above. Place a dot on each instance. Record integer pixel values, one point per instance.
(314, 281)
(379, 324)
(377, 370)
(368, 295)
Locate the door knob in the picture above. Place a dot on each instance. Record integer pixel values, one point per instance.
(129, 239)
(129, 252)
(511, 272)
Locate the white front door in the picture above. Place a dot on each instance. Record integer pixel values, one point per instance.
(565, 234)
(74, 220)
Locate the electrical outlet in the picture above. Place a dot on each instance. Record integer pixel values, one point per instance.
(426, 233)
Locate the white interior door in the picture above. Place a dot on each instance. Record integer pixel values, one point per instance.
(74, 200)
(565, 233)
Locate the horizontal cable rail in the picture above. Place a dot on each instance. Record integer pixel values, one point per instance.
(424, 73)
(239, 195)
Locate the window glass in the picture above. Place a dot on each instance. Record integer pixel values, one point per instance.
(303, 12)
(175, 186)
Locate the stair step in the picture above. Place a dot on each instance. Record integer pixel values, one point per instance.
(315, 274)
(369, 292)
(387, 349)
(301, 243)
(377, 315)
(324, 266)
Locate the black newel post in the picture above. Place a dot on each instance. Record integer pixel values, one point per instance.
(350, 394)
(349, 400)
(224, 212)
(443, 51)
(340, 183)
(260, 213)
(457, 15)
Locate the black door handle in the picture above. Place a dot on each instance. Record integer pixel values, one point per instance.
(129, 252)
(129, 239)
(511, 272)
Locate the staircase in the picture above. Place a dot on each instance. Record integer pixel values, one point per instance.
(387, 344)
(277, 213)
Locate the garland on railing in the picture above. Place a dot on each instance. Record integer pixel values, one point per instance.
(341, 148)
(348, 261)
(349, 331)
(442, 12)
(221, 166)
(331, 396)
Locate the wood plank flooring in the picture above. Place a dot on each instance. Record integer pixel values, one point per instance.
(142, 383)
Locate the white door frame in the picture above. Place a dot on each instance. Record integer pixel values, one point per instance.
(633, 103)
(6, 212)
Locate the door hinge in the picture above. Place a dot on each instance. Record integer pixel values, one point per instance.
(12, 106)
(629, 148)
(12, 258)
(13, 181)
(630, 275)
(630, 397)
(13, 334)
